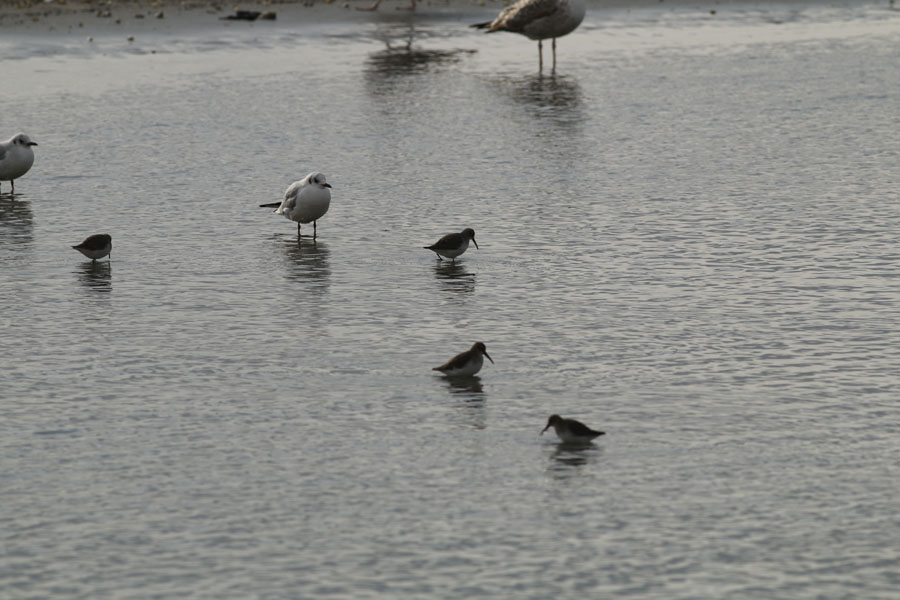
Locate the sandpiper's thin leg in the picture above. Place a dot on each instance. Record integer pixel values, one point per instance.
(314, 230)
(540, 56)
(298, 229)
(439, 257)
(12, 182)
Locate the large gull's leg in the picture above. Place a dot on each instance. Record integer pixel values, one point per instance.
(540, 56)
(554, 55)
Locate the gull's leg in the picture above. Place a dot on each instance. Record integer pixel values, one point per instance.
(540, 56)
(554, 55)
(12, 182)
(298, 230)
(314, 230)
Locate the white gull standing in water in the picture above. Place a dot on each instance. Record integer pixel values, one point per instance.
(16, 158)
(539, 20)
(305, 201)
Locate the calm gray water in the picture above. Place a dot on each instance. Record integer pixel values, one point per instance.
(688, 239)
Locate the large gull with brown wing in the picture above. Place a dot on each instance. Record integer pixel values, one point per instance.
(539, 20)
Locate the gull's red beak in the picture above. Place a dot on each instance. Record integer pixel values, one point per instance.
(32, 143)
(328, 185)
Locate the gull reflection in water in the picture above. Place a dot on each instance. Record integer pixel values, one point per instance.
(95, 275)
(400, 57)
(557, 99)
(16, 229)
(409, 60)
(307, 260)
(454, 277)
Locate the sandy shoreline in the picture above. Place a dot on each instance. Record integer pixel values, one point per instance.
(32, 11)
(53, 16)
(26, 17)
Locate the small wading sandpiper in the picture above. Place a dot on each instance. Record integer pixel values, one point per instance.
(96, 246)
(16, 158)
(453, 244)
(305, 201)
(571, 431)
(467, 363)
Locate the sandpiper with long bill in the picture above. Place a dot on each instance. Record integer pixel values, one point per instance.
(453, 244)
(571, 431)
(466, 363)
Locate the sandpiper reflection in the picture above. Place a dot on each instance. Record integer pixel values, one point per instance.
(566, 457)
(454, 277)
(95, 275)
(472, 411)
(466, 388)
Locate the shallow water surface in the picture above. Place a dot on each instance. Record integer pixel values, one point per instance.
(688, 239)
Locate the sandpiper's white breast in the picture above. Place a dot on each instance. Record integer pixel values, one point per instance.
(454, 252)
(568, 437)
(472, 366)
(96, 252)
